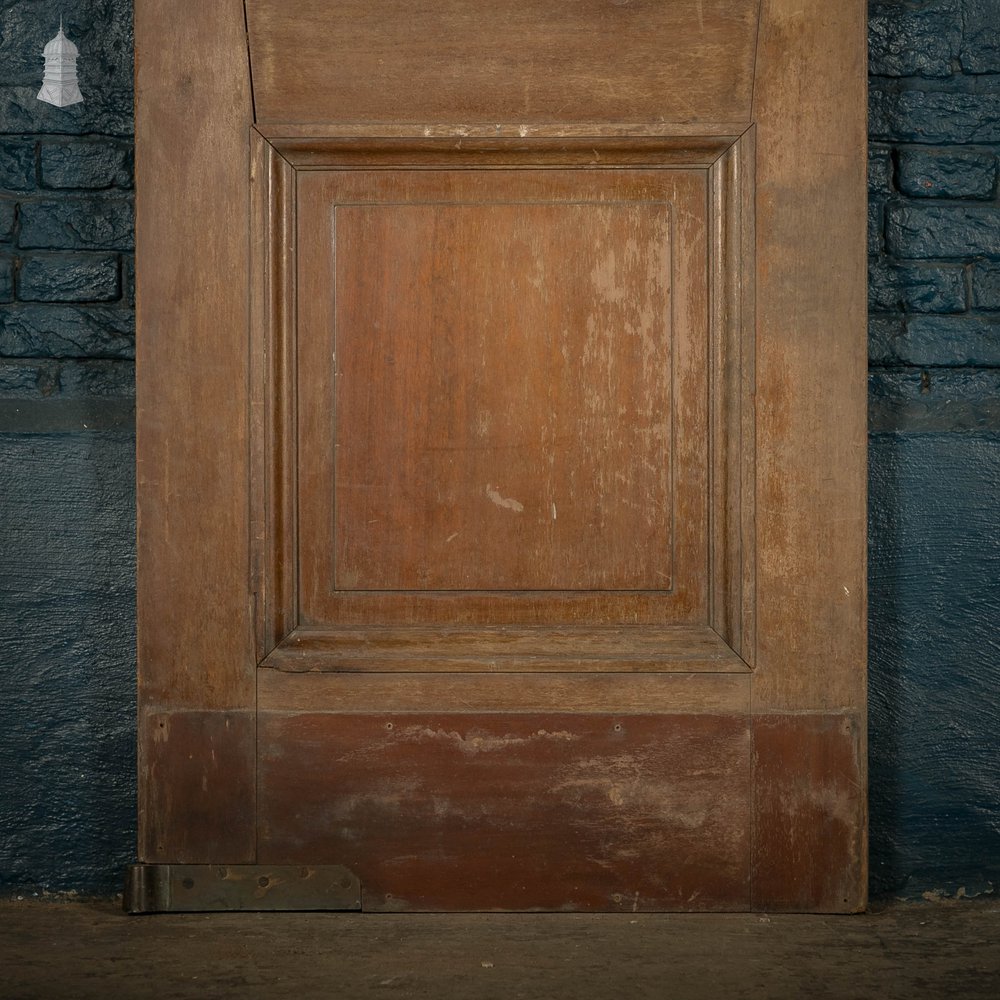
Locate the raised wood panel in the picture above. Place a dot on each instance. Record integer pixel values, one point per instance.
(502, 400)
(633, 484)
(458, 61)
(548, 811)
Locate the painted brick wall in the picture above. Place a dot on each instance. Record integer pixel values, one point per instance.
(66, 442)
(67, 493)
(934, 348)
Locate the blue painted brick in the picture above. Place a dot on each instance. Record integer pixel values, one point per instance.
(17, 164)
(61, 331)
(980, 52)
(69, 277)
(934, 563)
(883, 334)
(943, 231)
(986, 285)
(929, 399)
(938, 116)
(67, 778)
(128, 279)
(876, 226)
(908, 41)
(8, 209)
(100, 113)
(951, 341)
(6, 278)
(77, 223)
(46, 378)
(880, 171)
(944, 173)
(924, 288)
(92, 165)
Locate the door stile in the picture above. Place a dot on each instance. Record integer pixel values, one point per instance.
(196, 676)
(809, 684)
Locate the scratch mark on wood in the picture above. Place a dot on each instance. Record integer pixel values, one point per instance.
(501, 501)
(475, 743)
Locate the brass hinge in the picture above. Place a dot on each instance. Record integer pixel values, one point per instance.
(205, 888)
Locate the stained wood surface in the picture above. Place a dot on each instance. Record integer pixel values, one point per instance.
(315, 61)
(669, 693)
(554, 788)
(486, 387)
(191, 364)
(502, 402)
(197, 795)
(810, 813)
(272, 408)
(516, 812)
(552, 146)
(194, 612)
(732, 261)
(629, 648)
(811, 355)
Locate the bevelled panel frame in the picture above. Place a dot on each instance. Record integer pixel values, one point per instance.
(642, 631)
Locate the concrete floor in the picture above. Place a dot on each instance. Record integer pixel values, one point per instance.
(911, 951)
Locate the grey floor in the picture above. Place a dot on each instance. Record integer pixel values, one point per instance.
(90, 949)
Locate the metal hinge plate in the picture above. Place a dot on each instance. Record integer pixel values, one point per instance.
(206, 888)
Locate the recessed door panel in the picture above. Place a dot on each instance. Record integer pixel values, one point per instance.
(502, 396)
(502, 389)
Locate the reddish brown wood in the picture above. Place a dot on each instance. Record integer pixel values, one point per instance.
(551, 146)
(514, 812)
(731, 397)
(458, 61)
(195, 627)
(811, 355)
(618, 649)
(197, 796)
(502, 402)
(587, 693)
(809, 813)
(485, 792)
(588, 403)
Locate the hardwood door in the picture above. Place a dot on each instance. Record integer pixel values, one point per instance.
(501, 454)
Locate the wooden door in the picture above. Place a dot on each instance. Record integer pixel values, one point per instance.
(501, 455)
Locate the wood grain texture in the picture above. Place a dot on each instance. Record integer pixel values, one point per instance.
(682, 401)
(436, 811)
(197, 796)
(447, 648)
(810, 813)
(642, 694)
(194, 611)
(193, 116)
(359, 148)
(272, 408)
(508, 61)
(701, 138)
(732, 268)
(809, 106)
(503, 396)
